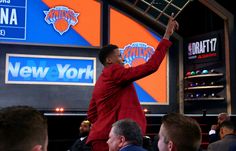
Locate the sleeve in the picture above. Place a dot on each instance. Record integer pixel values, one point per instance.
(213, 138)
(86, 147)
(92, 111)
(122, 75)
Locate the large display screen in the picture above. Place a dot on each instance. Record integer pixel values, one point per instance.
(137, 43)
(50, 70)
(51, 22)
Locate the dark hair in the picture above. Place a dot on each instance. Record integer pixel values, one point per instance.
(130, 130)
(228, 124)
(21, 128)
(185, 132)
(105, 51)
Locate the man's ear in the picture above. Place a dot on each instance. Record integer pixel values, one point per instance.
(122, 141)
(37, 148)
(221, 130)
(221, 133)
(171, 146)
(108, 60)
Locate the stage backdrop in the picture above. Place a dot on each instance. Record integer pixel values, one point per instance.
(137, 43)
(51, 22)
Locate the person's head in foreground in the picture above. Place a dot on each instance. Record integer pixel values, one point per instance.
(124, 132)
(22, 128)
(179, 133)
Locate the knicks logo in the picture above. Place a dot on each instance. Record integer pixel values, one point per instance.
(136, 53)
(61, 17)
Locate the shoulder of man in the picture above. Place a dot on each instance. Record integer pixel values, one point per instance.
(216, 144)
(111, 69)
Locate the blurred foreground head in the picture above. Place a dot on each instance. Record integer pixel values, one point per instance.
(22, 128)
(179, 133)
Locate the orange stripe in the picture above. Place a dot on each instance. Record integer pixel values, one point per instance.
(124, 31)
(89, 19)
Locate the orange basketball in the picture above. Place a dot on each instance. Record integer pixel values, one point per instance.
(61, 25)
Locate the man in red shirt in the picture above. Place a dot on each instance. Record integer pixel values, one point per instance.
(114, 96)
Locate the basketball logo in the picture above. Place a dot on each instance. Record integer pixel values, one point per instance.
(61, 17)
(136, 53)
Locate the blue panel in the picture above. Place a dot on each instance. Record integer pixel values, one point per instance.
(13, 2)
(143, 96)
(53, 70)
(6, 32)
(38, 31)
(12, 20)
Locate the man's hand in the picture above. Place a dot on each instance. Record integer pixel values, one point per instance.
(214, 127)
(171, 27)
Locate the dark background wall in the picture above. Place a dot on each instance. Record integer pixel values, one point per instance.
(197, 19)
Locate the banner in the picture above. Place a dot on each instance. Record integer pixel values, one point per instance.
(53, 70)
(13, 19)
(204, 48)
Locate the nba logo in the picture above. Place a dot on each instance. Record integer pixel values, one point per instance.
(61, 17)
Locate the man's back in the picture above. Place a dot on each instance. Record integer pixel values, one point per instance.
(114, 102)
(224, 144)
